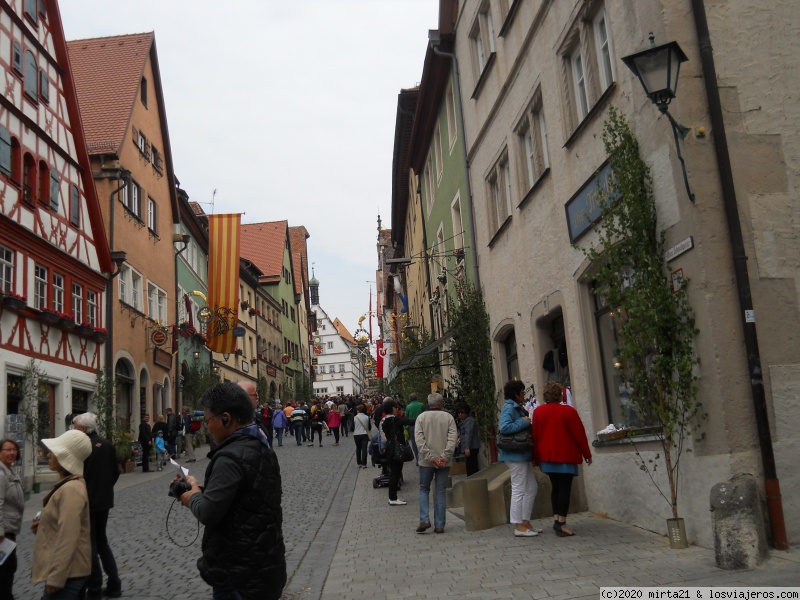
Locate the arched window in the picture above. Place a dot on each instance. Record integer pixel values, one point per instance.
(16, 163)
(31, 76)
(44, 183)
(29, 179)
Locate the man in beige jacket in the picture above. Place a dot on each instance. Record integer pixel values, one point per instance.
(436, 434)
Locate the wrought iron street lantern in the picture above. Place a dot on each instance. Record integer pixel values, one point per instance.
(657, 68)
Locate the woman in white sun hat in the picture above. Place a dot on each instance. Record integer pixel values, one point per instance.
(62, 550)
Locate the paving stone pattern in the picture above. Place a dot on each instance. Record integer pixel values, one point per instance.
(344, 541)
(153, 567)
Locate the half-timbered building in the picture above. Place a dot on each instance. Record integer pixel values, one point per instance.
(54, 257)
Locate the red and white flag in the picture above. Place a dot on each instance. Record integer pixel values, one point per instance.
(383, 350)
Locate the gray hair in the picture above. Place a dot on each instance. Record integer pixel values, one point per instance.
(435, 399)
(87, 420)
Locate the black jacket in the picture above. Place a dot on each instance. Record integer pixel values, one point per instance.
(145, 434)
(243, 546)
(101, 472)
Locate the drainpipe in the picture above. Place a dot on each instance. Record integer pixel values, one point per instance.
(123, 175)
(771, 483)
(435, 41)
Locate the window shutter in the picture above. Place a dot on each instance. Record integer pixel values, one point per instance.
(147, 149)
(54, 189)
(135, 136)
(75, 206)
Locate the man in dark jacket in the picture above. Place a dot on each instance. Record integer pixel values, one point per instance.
(240, 503)
(101, 472)
(172, 433)
(146, 440)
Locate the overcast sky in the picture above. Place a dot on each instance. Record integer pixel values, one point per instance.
(287, 108)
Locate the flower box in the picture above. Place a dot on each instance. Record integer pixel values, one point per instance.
(99, 335)
(49, 316)
(14, 302)
(67, 323)
(84, 330)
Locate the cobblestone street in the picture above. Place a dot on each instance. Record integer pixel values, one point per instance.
(317, 489)
(343, 541)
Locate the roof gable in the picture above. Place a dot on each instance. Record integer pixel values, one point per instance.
(264, 244)
(108, 72)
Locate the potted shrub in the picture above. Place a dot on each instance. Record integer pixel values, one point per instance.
(85, 330)
(100, 334)
(655, 343)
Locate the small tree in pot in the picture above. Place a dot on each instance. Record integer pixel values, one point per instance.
(656, 324)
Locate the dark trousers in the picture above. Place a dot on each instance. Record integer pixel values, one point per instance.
(146, 457)
(395, 476)
(101, 553)
(299, 434)
(361, 449)
(316, 429)
(344, 427)
(472, 461)
(559, 497)
(335, 431)
(268, 431)
(7, 570)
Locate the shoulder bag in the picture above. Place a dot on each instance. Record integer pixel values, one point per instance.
(520, 441)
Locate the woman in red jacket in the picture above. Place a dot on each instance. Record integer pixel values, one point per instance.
(559, 446)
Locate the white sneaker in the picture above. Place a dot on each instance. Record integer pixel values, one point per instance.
(526, 533)
(397, 502)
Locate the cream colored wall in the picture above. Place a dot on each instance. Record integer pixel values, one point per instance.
(530, 270)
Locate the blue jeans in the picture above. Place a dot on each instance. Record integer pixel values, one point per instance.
(70, 591)
(298, 432)
(220, 594)
(426, 475)
(279, 435)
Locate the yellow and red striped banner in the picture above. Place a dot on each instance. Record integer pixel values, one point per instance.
(223, 280)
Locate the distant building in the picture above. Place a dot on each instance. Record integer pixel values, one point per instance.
(339, 366)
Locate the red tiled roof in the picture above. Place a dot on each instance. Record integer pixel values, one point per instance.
(342, 331)
(107, 74)
(263, 244)
(198, 210)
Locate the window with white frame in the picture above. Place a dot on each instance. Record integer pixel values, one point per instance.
(458, 227)
(437, 152)
(6, 269)
(450, 102)
(499, 187)
(40, 287)
(579, 84)
(156, 303)
(58, 292)
(132, 198)
(91, 308)
(429, 186)
(130, 287)
(77, 302)
(440, 258)
(341, 368)
(330, 345)
(589, 70)
(482, 38)
(532, 145)
(605, 50)
(152, 213)
(340, 389)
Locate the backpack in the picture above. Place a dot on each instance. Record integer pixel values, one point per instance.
(195, 426)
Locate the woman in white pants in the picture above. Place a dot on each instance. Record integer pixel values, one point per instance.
(514, 419)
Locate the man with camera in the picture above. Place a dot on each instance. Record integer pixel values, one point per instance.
(240, 503)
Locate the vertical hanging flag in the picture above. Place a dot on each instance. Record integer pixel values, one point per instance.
(379, 362)
(223, 280)
(369, 314)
